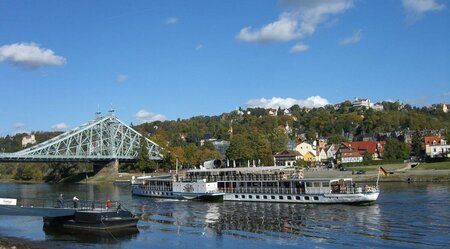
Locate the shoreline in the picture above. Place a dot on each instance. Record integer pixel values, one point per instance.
(10, 242)
(441, 175)
(414, 175)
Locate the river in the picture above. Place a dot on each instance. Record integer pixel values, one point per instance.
(415, 215)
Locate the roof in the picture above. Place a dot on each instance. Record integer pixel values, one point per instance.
(288, 153)
(429, 139)
(369, 146)
(351, 153)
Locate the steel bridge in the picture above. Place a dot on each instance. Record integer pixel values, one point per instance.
(103, 139)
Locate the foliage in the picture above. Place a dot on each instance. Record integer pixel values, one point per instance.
(144, 164)
(394, 149)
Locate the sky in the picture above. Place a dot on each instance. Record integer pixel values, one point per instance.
(62, 61)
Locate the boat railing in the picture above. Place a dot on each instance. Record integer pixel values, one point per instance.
(69, 203)
(155, 188)
(243, 177)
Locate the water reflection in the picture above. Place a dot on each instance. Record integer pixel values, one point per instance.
(259, 220)
(103, 237)
(405, 216)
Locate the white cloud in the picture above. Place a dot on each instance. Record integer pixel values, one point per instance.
(172, 20)
(299, 19)
(144, 116)
(416, 8)
(199, 46)
(354, 38)
(60, 126)
(122, 78)
(299, 47)
(19, 125)
(281, 30)
(446, 94)
(29, 55)
(422, 6)
(313, 101)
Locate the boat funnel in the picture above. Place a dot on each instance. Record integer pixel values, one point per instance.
(212, 164)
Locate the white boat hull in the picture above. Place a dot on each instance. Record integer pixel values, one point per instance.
(303, 198)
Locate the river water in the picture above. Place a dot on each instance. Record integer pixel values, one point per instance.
(415, 215)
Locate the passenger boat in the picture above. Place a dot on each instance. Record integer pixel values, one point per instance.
(257, 184)
(171, 187)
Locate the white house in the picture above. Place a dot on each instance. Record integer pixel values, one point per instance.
(358, 102)
(436, 146)
(331, 151)
(322, 155)
(28, 139)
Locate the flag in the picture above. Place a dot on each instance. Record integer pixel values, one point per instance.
(383, 171)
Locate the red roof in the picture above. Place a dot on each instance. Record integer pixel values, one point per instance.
(351, 153)
(429, 139)
(370, 146)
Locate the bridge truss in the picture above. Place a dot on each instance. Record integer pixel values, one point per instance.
(105, 138)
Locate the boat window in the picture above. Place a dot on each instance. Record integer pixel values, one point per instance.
(265, 196)
(236, 196)
(272, 197)
(257, 197)
(316, 198)
(317, 184)
(308, 184)
(280, 197)
(306, 198)
(243, 196)
(289, 198)
(297, 198)
(250, 196)
(325, 184)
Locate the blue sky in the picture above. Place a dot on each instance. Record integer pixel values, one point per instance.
(61, 61)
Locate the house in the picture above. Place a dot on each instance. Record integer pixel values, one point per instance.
(358, 102)
(28, 139)
(443, 107)
(374, 148)
(304, 148)
(436, 146)
(350, 156)
(322, 156)
(286, 158)
(272, 112)
(331, 151)
(287, 112)
(377, 107)
(309, 157)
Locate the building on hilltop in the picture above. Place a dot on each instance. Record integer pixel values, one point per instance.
(28, 139)
(443, 107)
(358, 102)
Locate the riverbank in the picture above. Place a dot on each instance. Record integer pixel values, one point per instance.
(410, 175)
(7, 242)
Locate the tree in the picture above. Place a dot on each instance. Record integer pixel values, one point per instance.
(395, 150)
(143, 161)
(240, 148)
(416, 144)
(278, 140)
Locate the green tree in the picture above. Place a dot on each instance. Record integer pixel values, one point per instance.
(143, 161)
(416, 144)
(240, 148)
(278, 140)
(395, 150)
